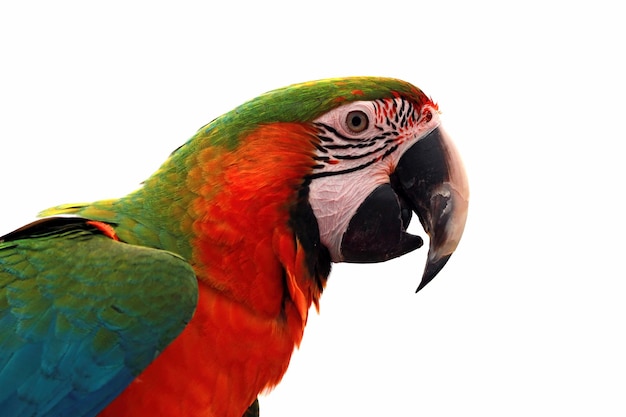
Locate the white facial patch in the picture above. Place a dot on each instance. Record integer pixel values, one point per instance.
(360, 145)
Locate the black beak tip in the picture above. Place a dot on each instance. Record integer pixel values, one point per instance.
(431, 271)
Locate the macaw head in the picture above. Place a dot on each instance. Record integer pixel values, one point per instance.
(378, 155)
(380, 160)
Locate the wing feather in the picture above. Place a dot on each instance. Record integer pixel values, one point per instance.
(81, 315)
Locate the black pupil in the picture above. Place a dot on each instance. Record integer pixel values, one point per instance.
(356, 121)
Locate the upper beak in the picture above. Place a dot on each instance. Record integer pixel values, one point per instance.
(428, 180)
(431, 178)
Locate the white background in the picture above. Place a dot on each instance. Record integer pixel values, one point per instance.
(528, 316)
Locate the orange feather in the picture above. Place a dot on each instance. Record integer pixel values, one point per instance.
(255, 287)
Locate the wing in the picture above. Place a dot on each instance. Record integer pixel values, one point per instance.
(81, 315)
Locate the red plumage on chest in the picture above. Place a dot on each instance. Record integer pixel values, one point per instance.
(255, 285)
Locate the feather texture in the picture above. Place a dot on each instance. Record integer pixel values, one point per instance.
(76, 331)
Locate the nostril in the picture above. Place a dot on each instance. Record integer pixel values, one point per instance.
(405, 213)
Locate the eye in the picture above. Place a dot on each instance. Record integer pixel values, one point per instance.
(357, 121)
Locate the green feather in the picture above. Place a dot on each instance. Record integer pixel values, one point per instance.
(299, 103)
(85, 323)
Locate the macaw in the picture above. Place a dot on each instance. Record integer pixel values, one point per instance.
(188, 296)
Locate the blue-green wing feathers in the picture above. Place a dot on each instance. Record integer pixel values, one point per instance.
(81, 315)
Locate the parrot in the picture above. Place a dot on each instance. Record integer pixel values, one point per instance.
(188, 296)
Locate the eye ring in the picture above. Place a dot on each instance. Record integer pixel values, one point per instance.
(357, 121)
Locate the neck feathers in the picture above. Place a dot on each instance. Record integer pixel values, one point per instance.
(240, 215)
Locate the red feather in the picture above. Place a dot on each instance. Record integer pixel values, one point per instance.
(255, 288)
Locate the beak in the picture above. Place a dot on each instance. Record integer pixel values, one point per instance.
(431, 178)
